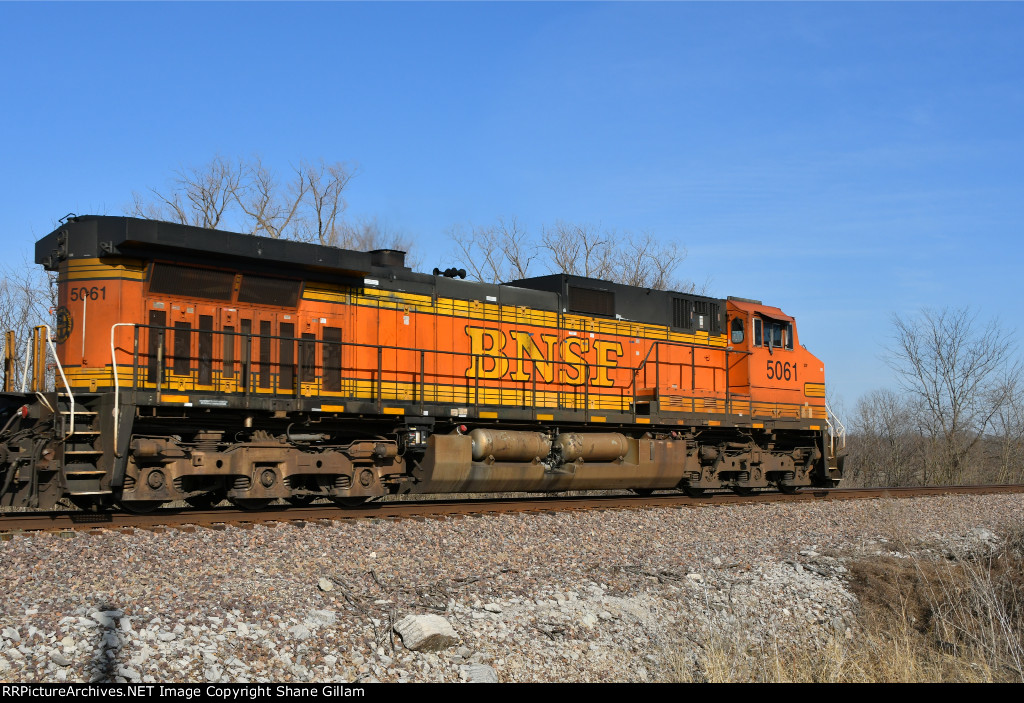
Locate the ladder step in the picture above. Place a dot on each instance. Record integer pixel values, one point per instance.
(78, 432)
(79, 412)
(83, 451)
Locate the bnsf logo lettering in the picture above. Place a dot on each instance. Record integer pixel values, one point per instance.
(519, 354)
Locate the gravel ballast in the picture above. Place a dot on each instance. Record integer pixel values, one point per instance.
(572, 596)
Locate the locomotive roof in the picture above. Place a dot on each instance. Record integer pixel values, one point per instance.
(95, 236)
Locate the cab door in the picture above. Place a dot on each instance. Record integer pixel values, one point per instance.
(739, 325)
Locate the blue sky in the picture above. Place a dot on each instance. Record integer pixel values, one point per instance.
(845, 162)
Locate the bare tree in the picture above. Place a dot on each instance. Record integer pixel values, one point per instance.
(307, 205)
(495, 253)
(28, 297)
(1008, 436)
(199, 196)
(272, 209)
(648, 263)
(579, 250)
(962, 373)
(885, 448)
(507, 251)
(367, 234)
(326, 185)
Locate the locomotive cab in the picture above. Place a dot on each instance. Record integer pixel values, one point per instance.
(767, 364)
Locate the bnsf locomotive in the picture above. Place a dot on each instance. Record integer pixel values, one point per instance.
(201, 365)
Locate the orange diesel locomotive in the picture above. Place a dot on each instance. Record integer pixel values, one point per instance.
(202, 365)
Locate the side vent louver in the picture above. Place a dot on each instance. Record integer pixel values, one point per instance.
(682, 313)
(591, 301)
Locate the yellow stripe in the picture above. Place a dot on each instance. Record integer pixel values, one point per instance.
(394, 411)
(96, 261)
(119, 264)
(815, 427)
(84, 269)
(104, 275)
(489, 415)
(102, 374)
(164, 398)
(332, 408)
(814, 390)
(598, 418)
(475, 310)
(543, 416)
(758, 424)
(643, 420)
(714, 423)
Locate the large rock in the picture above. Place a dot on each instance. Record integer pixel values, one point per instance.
(59, 659)
(300, 632)
(426, 633)
(480, 673)
(318, 618)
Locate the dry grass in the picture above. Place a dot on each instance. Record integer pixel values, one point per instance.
(953, 618)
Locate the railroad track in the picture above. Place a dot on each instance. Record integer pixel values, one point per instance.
(70, 521)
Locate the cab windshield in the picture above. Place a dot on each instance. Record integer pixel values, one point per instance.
(776, 334)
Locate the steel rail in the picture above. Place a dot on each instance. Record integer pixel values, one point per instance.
(74, 520)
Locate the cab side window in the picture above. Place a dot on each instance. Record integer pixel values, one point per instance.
(776, 335)
(789, 335)
(757, 332)
(737, 330)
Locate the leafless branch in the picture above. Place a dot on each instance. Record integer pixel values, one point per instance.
(506, 252)
(961, 372)
(198, 196)
(495, 253)
(271, 210)
(28, 297)
(326, 185)
(579, 250)
(248, 196)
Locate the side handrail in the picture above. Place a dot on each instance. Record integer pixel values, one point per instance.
(836, 429)
(60, 369)
(376, 370)
(117, 386)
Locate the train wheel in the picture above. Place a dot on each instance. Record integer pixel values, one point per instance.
(251, 503)
(140, 507)
(350, 502)
(300, 501)
(743, 490)
(787, 488)
(693, 491)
